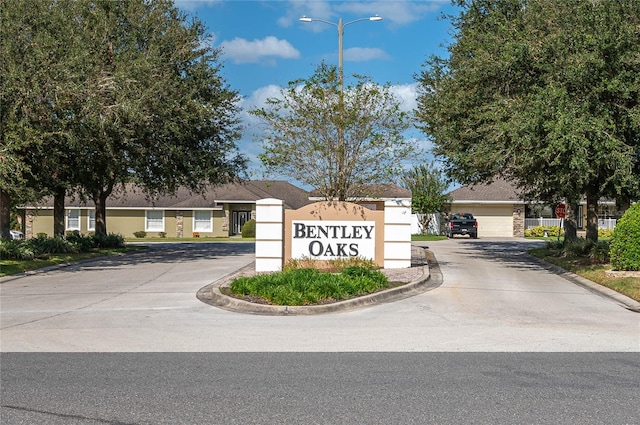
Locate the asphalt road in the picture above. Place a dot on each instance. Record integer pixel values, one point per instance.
(320, 388)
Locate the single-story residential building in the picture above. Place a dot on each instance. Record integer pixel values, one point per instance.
(501, 211)
(220, 211)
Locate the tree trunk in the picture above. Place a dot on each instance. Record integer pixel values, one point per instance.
(571, 222)
(592, 216)
(425, 222)
(5, 214)
(101, 213)
(58, 212)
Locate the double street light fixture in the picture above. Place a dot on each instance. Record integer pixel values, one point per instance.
(340, 26)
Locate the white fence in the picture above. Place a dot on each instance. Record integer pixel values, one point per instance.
(603, 223)
(607, 223)
(547, 222)
(434, 225)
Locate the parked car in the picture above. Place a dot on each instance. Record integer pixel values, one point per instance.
(462, 224)
(15, 234)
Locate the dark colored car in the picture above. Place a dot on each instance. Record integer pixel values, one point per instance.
(462, 224)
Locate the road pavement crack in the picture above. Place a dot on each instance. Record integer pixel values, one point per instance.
(68, 416)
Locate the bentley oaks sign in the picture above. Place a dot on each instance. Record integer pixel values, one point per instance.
(327, 240)
(330, 230)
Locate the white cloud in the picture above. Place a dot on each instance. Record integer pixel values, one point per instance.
(397, 12)
(407, 95)
(257, 100)
(259, 97)
(192, 5)
(245, 51)
(313, 9)
(361, 54)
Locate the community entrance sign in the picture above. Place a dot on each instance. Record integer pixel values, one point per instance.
(331, 230)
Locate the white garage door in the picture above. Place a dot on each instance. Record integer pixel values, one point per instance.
(493, 220)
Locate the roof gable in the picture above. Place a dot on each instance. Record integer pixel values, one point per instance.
(374, 192)
(499, 190)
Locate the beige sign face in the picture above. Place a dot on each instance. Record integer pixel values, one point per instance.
(330, 230)
(328, 240)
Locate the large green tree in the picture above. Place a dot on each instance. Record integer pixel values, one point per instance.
(31, 94)
(337, 141)
(544, 93)
(139, 98)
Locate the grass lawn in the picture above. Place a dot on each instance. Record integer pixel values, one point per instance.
(9, 267)
(629, 286)
(427, 238)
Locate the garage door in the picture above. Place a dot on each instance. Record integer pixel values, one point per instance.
(493, 220)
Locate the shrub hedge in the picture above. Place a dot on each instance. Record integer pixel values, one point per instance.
(625, 242)
(42, 245)
(538, 231)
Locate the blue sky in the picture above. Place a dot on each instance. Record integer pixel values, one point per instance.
(265, 46)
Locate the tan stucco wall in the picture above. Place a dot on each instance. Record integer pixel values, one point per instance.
(126, 222)
(218, 225)
(41, 222)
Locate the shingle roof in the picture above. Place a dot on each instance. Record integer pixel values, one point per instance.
(241, 192)
(376, 191)
(499, 191)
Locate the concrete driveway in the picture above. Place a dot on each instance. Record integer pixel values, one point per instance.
(493, 298)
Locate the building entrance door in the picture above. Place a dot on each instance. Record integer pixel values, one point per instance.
(238, 218)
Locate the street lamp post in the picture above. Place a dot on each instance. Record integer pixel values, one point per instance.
(340, 26)
(341, 184)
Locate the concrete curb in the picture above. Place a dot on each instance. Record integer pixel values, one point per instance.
(430, 278)
(603, 291)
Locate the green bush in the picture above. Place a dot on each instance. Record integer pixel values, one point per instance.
(249, 229)
(600, 252)
(46, 245)
(625, 242)
(15, 250)
(140, 234)
(579, 247)
(112, 240)
(555, 245)
(42, 246)
(538, 231)
(309, 286)
(81, 242)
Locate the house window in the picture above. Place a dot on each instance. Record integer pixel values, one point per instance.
(154, 221)
(91, 215)
(202, 221)
(73, 219)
